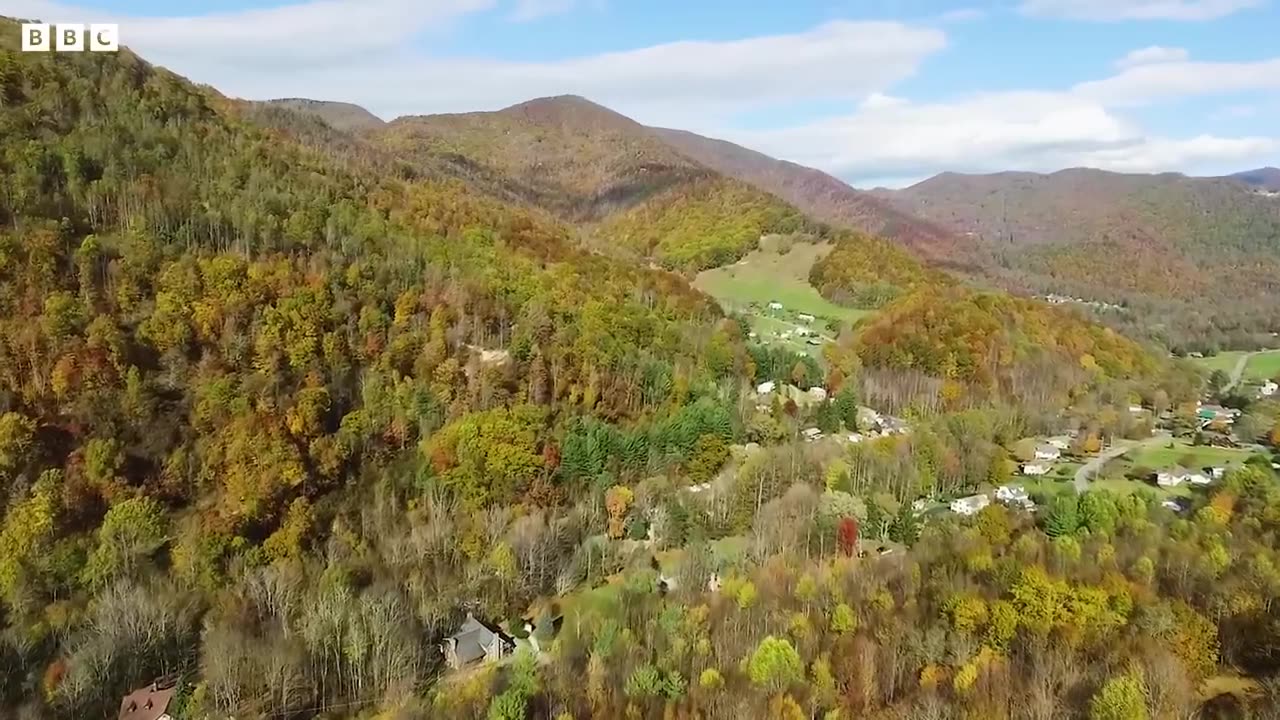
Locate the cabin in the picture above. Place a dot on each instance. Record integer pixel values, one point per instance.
(149, 703)
(475, 643)
(969, 505)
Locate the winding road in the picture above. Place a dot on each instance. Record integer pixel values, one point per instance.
(1091, 468)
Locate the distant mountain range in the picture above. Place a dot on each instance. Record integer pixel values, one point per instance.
(1159, 244)
(1267, 178)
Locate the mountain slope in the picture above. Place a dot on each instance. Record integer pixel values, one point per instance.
(818, 194)
(1267, 178)
(631, 193)
(1197, 258)
(339, 115)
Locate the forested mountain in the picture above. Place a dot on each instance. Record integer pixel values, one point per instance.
(1196, 260)
(820, 195)
(339, 115)
(1267, 178)
(281, 404)
(633, 194)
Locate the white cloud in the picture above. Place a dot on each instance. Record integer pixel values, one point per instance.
(373, 62)
(526, 10)
(1166, 80)
(1115, 10)
(280, 38)
(1152, 55)
(899, 143)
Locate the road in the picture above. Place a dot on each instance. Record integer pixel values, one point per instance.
(1092, 467)
(1237, 374)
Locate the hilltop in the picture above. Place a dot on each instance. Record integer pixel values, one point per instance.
(1267, 178)
(339, 115)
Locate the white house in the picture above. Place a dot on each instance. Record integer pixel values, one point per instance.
(1217, 473)
(855, 438)
(1048, 452)
(765, 388)
(775, 306)
(969, 505)
(1036, 468)
(1011, 493)
(802, 332)
(1268, 388)
(1136, 409)
(817, 393)
(804, 317)
(1179, 475)
(811, 434)
(1061, 442)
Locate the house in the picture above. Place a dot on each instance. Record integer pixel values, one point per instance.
(1036, 468)
(811, 434)
(969, 505)
(802, 332)
(475, 643)
(1216, 413)
(855, 438)
(765, 388)
(813, 341)
(1048, 452)
(1137, 409)
(1062, 442)
(894, 426)
(804, 317)
(775, 306)
(1269, 388)
(1015, 495)
(1175, 504)
(817, 393)
(1217, 473)
(752, 334)
(1179, 475)
(149, 703)
(867, 417)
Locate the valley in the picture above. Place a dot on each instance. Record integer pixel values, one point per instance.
(542, 413)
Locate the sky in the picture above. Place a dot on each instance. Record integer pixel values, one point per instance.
(876, 92)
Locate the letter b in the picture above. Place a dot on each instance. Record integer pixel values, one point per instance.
(70, 38)
(35, 37)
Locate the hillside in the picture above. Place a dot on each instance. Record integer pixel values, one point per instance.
(1267, 178)
(1195, 258)
(294, 426)
(631, 193)
(339, 115)
(820, 195)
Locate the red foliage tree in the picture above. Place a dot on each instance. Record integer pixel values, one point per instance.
(847, 536)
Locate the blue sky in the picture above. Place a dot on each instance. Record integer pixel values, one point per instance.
(874, 91)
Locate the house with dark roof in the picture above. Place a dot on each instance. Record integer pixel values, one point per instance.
(149, 703)
(476, 643)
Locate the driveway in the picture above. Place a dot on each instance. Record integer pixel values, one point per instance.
(1091, 468)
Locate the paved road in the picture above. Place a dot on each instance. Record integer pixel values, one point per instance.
(1091, 468)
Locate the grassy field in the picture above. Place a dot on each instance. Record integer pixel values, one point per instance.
(1158, 457)
(1224, 361)
(766, 276)
(1263, 366)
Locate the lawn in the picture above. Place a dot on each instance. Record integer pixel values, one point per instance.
(1263, 366)
(1224, 361)
(766, 276)
(1158, 457)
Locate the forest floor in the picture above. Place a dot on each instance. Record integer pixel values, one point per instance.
(770, 275)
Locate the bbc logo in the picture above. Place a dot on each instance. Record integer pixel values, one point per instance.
(70, 37)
